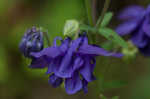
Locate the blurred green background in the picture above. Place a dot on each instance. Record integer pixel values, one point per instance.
(115, 77)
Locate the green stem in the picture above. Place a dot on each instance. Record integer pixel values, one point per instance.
(106, 6)
(88, 5)
(47, 39)
(46, 35)
(89, 11)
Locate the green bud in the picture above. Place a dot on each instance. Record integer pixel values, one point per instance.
(130, 52)
(71, 28)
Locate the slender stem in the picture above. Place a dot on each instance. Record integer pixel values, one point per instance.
(88, 5)
(89, 11)
(106, 6)
(46, 36)
(94, 11)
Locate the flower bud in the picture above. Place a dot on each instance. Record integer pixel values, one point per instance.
(130, 52)
(32, 41)
(71, 28)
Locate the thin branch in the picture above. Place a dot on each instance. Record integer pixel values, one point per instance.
(89, 11)
(106, 6)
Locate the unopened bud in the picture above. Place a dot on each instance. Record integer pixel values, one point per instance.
(71, 28)
(32, 41)
(130, 52)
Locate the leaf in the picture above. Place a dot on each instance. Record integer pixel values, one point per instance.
(113, 36)
(108, 45)
(107, 18)
(87, 28)
(107, 33)
(114, 84)
(115, 97)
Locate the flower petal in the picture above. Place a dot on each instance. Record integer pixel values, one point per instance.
(54, 65)
(93, 50)
(78, 62)
(132, 12)
(73, 84)
(126, 27)
(55, 81)
(51, 52)
(84, 85)
(41, 62)
(145, 51)
(65, 45)
(146, 24)
(87, 70)
(85, 41)
(65, 69)
(139, 39)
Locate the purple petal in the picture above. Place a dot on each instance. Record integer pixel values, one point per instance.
(93, 50)
(78, 62)
(54, 65)
(132, 12)
(126, 27)
(73, 84)
(87, 70)
(145, 51)
(65, 69)
(55, 81)
(139, 39)
(84, 85)
(34, 29)
(65, 45)
(146, 24)
(51, 52)
(85, 41)
(41, 62)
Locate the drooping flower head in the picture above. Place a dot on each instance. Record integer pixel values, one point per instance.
(32, 41)
(72, 62)
(136, 22)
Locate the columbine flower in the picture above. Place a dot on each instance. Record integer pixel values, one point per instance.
(72, 62)
(32, 41)
(137, 24)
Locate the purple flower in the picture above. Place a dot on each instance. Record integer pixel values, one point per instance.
(72, 62)
(136, 22)
(32, 41)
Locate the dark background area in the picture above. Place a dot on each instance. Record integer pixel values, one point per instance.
(17, 81)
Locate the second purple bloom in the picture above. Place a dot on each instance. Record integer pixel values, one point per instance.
(136, 22)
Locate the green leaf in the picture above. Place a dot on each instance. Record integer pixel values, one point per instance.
(87, 28)
(108, 45)
(113, 36)
(115, 97)
(114, 84)
(107, 33)
(107, 18)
